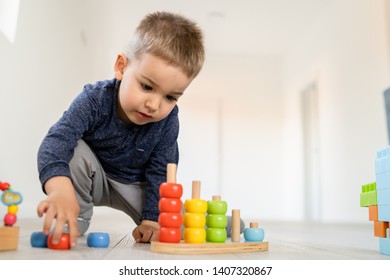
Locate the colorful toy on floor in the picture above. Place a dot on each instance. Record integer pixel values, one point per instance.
(63, 244)
(254, 233)
(94, 239)
(9, 235)
(376, 197)
(194, 227)
(216, 220)
(194, 217)
(38, 239)
(170, 206)
(98, 240)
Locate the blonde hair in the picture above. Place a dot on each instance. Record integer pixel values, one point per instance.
(171, 37)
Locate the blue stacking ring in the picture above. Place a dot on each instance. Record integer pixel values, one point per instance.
(254, 234)
(98, 239)
(38, 240)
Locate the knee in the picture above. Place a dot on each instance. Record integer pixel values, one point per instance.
(82, 157)
(83, 224)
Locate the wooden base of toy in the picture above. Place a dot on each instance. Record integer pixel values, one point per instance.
(207, 248)
(9, 238)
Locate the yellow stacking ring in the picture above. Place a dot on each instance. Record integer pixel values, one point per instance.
(194, 235)
(195, 206)
(194, 220)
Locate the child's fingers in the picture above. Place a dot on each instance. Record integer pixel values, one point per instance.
(58, 229)
(154, 236)
(42, 208)
(137, 235)
(73, 232)
(50, 214)
(147, 235)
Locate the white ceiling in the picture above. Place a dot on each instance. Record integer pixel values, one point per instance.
(263, 27)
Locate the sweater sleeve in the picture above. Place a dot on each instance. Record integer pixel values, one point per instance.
(166, 152)
(57, 147)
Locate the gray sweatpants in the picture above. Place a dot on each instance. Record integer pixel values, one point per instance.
(94, 188)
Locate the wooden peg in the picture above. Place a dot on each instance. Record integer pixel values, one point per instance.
(171, 173)
(235, 225)
(216, 197)
(195, 190)
(253, 225)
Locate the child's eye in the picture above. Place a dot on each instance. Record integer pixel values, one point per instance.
(171, 98)
(146, 87)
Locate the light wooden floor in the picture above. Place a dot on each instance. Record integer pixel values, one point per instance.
(287, 241)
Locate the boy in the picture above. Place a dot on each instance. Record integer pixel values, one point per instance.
(112, 145)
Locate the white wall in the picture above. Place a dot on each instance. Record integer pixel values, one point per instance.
(345, 52)
(40, 73)
(231, 133)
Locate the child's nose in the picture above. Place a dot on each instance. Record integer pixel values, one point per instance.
(153, 102)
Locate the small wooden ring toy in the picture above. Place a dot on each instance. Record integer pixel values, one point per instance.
(169, 235)
(194, 220)
(171, 190)
(170, 219)
(98, 239)
(170, 205)
(216, 235)
(254, 233)
(216, 207)
(216, 221)
(195, 206)
(38, 240)
(63, 243)
(194, 235)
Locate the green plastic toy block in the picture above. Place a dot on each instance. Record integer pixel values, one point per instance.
(368, 196)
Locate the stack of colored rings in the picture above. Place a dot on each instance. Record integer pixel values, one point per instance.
(170, 206)
(194, 217)
(216, 220)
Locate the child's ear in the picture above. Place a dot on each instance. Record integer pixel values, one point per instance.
(120, 66)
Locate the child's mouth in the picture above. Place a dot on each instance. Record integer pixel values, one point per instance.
(144, 116)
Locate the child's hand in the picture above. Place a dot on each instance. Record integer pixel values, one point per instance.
(60, 205)
(146, 232)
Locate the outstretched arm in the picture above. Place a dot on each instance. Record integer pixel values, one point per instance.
(60, 206)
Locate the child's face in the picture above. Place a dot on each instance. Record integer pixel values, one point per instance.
(149, 88)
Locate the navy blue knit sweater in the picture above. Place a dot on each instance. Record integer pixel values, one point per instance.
(128, 152)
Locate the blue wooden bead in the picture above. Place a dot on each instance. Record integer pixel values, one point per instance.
(254, 234)
(98, 239)
(38, 239)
